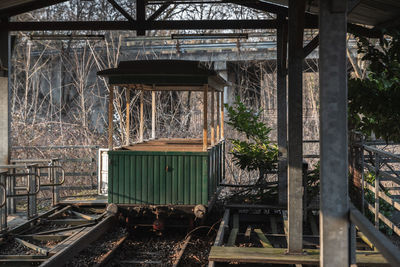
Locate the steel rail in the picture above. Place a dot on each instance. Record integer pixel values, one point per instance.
(389, 251)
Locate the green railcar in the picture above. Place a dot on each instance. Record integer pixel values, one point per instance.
(179, 174)
(164, 178)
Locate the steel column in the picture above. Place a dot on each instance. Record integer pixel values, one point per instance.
(282, 109)
(334, 220)
(5, 118)
(295, 126)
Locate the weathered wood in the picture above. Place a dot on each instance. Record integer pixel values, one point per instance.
(234, 231)
(221, 230)
(128, 113)
(45, 237)
(384, 219)
(274, 226)
(280, 256)
(205, 106)
(110, 117)
(83, 216)
(38, 249)
(59, 213)
(385, 197)
(153, 114)
(141, 123)
(247, 234)
(263, 239)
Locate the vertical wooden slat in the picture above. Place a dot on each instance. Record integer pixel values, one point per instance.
(187, 179)
(110, 117)
(141, 126)
(121, 172)
(153, 114)
(199, 184)
(205, 105)
(205, 196)
(212, 117)
(138, 167)
(222, 115)
(128, 108)
(192, 180)
(168, 193)
(150, 177)
(110, 178)
(181, 187)
(175, 187)
(145, 179)
(132, 178)
(157, 179)
(162, 179)
(127, 179)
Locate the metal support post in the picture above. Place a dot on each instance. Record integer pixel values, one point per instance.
(362, 176)
(282, 109)
(5, 118)
(353, 245)
(295, 126)
(334, 205)
(141, 123)
(128, 113)
(205, 108)
(3, 210)
(212, 117)
(32, 203)
(377, 163)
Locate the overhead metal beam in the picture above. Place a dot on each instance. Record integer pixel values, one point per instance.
(159, 11)
(311, 46)
(29, 6)
(147, 25)
(121, 10)
(140, 17)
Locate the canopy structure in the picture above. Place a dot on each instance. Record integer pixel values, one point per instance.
(179, 75)
(163, 75)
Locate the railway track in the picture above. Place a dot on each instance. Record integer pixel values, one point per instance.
(141, 249)
(53, 237)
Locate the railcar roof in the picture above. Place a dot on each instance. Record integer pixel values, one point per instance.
(179, 73)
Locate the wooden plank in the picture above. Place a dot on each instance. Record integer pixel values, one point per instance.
(263, 239)
(69, 221)
(35, 248)
(65, 229)
(141, 123)
(247, 234)
(385, 197)
(128, 113)
(280, 256)
(205, 93)
(153, 114)
(45, 237)
(59, 213)
(182, 250)
(234, 231)
(221, 230)
(212, 118)
(110, 117)
(83, 216)
(385, 220)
